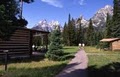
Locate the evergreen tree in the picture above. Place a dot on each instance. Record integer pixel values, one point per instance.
(68, 29)
(108, 29)
(55, 51)
(90, 34)
(85, 35)
(116, 19)
(79, 32)
(71, 32)
(98, 36)
(64, 34)
(9, 11)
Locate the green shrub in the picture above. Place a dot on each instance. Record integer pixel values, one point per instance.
(55, 49)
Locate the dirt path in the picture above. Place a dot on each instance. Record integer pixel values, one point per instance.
(77, 66)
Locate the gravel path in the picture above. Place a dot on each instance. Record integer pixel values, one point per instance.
(77, 66)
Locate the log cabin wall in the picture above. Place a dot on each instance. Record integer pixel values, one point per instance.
(116, 45)
(18, 44)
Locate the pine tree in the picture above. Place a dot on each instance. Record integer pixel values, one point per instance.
(98, 35)
(64, 34)
(55, 49)
(108, 29)
(8, 12)
(90, 34)
(71, 32)
(9, 20)
(116, 19)
(85, 35)
(68, 29)
(80, 35)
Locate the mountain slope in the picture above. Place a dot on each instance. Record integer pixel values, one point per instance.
(43, 25)
(99, 19)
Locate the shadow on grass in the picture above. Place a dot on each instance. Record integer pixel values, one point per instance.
(49, 71)
(68, 48)
(22, 59)
(67, 56)
(109, 70)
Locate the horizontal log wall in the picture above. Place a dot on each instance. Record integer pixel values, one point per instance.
(116, 45)
(18, 43)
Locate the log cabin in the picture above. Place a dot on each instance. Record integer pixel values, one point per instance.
(114, 43)
(20, 42)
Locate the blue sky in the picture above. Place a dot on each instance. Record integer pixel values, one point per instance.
(59, 10)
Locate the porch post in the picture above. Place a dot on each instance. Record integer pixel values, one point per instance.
(30, 43)
(47, 42)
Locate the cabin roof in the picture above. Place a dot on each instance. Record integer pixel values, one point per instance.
(33, 30)
(109, 39)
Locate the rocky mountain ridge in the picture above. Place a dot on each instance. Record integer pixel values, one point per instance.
(44, 25)
(99, 20)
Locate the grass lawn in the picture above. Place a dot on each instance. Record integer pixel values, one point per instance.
(35, 68)
(71, 49)
(89, 49)
(103, 63)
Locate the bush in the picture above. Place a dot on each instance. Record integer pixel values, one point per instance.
(55, 49)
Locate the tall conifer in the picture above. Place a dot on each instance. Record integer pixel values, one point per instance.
(71, 31)
(90, 33)
(64, 34)
(108, 27)
(79, 31)
(116, 19)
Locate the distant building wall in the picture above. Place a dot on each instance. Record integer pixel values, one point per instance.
(116, 45)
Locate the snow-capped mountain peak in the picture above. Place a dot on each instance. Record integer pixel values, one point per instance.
(43, 25)
(53, 22)
(99, 19)
(108, 6)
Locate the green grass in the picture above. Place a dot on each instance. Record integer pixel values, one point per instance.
(101, 57)
(89, 49)
(35, 68)
(44, 68)
(71, 49)
(101, 60)
(103, 63)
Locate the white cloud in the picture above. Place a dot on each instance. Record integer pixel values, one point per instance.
(82, 2)
(55, 3)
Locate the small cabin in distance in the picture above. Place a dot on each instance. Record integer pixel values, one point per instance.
(114, 43)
